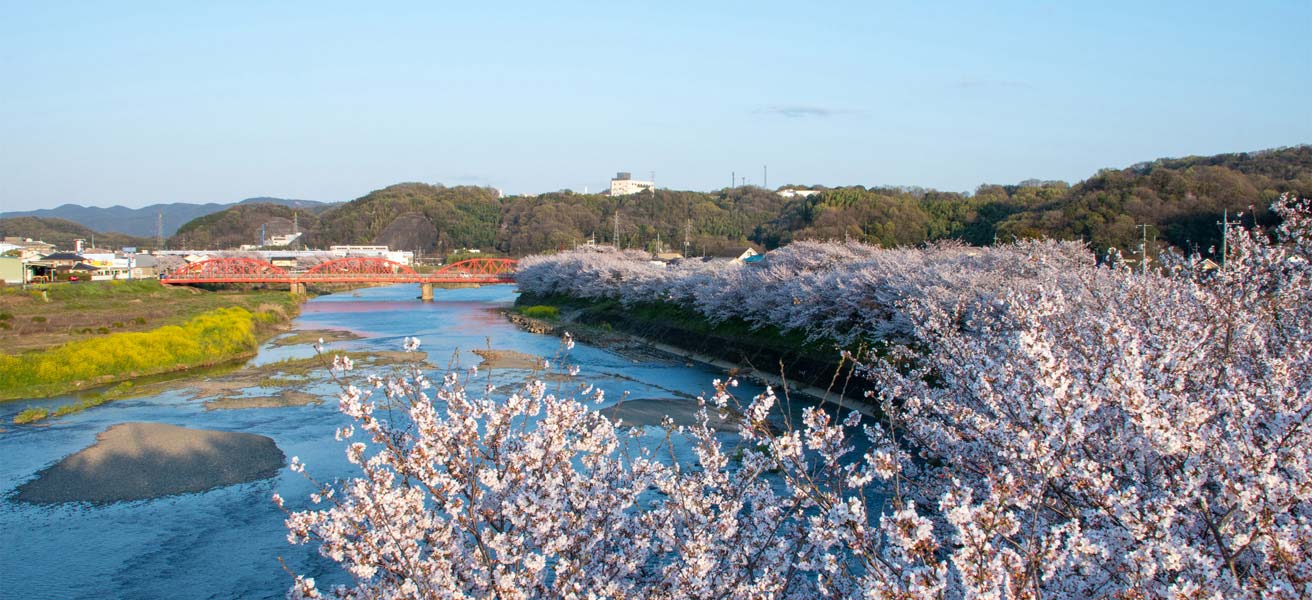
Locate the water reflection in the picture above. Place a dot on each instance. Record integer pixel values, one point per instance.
(225, 543)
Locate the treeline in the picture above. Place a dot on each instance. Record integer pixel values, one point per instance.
(1180, 201)
(242, 224)
(62, 232)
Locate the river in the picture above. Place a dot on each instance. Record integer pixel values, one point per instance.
(226, 542)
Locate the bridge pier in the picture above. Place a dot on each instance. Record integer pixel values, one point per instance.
(426, 291)
(297, 289)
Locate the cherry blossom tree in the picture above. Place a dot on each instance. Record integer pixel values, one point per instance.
(1046, 427)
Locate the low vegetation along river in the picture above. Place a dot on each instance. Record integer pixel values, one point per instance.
(225, 542)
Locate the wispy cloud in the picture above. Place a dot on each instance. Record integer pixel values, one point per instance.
(801, 111)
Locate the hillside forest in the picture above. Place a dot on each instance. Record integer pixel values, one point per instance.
(1180, 201)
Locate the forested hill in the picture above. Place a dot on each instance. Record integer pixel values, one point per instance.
(62, 232)
(1180, 200)
(415, 216)
(242, 224)
(143, 221)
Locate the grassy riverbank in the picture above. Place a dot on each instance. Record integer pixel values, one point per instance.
(43, 317)
(193, 328)
(767, 351)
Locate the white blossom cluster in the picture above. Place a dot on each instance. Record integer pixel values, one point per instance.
(830, 290)
(1052, 429)
(535, 495)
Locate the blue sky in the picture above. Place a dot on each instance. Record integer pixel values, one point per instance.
(136, 103)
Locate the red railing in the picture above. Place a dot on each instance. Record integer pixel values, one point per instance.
(342, 270)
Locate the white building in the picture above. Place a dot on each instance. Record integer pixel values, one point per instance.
(798, 193)
(624, 184)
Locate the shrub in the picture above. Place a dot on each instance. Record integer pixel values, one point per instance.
(30, 415)
(211, 336)
(102, 330)
(4, 316)
(39, 319)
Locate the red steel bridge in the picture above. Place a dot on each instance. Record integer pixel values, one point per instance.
(343, 270)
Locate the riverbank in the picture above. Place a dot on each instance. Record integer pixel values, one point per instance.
(43, 317)
(783, 360)
(233, 331)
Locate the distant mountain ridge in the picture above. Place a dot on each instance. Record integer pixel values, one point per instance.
(141, 222)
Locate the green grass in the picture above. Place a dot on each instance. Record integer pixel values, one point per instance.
(31, 415)
(540, 311)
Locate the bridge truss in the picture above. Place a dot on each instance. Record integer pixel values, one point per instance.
(356, 269)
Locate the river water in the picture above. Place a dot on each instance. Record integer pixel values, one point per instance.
(226, 542)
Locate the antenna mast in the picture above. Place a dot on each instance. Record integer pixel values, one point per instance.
(765, 176)
(159, 229)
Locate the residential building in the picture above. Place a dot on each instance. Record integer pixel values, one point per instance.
(624, 184)
(12, 270)
(144, 266)
(798, 193)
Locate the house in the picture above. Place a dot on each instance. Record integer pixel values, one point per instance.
(283, 262)
(12, 270)
(749, 256)
(144, 266)
(61, 260)
(27, 248)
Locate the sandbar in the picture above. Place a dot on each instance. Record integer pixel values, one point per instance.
(140, 461)
(509, 359)
(284, 399)
(650, 412)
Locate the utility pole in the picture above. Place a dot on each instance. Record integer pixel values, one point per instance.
(1143, 251)
(159, 229)
(1225, 236)
(687, 236)
(616, 239)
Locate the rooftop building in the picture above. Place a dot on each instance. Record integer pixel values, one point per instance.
(624, 184)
